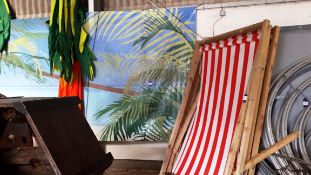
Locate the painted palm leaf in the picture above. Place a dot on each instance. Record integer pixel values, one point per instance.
(28, 64)
(129, 116)
(163, 47)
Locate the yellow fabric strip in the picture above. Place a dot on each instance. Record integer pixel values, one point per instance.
(60, 14)
(66, 14)
(6, 6)
(82, 40)
(91, 72)
(72, 15)
(52, 11)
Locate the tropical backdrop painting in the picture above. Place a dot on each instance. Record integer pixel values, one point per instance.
(142, 62)
(143, 56)
(24, 68)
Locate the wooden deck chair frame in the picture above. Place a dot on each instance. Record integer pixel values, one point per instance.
(249, 125)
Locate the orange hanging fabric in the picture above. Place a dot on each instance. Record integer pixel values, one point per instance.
(75, 87)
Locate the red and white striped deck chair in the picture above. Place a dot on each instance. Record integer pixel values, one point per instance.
(225, 70)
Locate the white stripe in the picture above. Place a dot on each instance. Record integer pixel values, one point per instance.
(209, 114)
(185, 143)
(195, 144)
(230, 43)
(192, 134)
(225, 112)
(189, 135)
(217, 117)
(234, 108)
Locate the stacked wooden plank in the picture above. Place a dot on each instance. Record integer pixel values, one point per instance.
(243, 153)
(32, 161)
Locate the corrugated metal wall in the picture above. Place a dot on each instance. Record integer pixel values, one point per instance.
(145, 4)
(30, 8)
(41, 8)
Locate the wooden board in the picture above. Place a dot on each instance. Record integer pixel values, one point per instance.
(62, 131)
(269, 151)
(258, 124)
(14, 135)
(17, 162)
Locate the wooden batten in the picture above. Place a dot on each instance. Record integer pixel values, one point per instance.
(269, 151)
(237, 137)
(258, 124)
(182, 131)
(237, 134)
(254, 95)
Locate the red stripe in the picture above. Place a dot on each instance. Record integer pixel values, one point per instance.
(185, 144)
(200, 108)
(242, 85)
(242, 40)
(204, 65)
(199, 113)
(241, 93)
(221, 110)
(231, 98)
(215, 99)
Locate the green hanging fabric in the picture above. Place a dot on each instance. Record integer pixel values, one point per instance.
(68, 39)
(5, 22)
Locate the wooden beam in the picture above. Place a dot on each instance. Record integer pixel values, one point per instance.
(258, 125)
(182, 131)
(269, 151)
(236, 140)
(254, 95)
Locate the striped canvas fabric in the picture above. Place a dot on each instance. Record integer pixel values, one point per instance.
(225, 71)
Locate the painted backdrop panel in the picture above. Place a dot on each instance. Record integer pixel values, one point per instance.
(142, 63)
(143, 59)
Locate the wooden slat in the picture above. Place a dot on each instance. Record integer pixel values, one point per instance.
(258, 124)
(241, 119)
(26, 170)
(236, 140)
(15, 135)
(189, 89)
(254, 96)
(269, 151)
(18, 162)
(182, 131)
